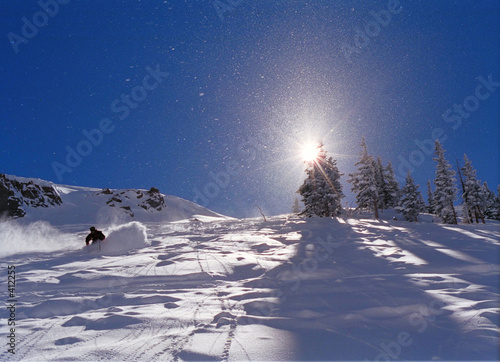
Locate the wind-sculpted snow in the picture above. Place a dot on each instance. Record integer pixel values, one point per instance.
(285, 289)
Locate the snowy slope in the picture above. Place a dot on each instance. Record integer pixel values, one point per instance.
(83, 205)
(285, 289)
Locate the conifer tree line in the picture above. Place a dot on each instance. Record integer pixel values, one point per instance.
(376, 189)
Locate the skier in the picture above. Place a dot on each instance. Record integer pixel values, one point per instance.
(94, 236)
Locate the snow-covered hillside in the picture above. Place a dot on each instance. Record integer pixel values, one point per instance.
(35, 200)
(285, 289)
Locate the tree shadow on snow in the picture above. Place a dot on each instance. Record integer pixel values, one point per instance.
(344, 303)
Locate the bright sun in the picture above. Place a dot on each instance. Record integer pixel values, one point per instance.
(309, 152)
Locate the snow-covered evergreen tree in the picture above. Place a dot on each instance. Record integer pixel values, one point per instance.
(411, 200)
(392, 191)
(446, 190)
(364, 183)
(322, 191)
(495, 210)
(466, 214)
(471, 193)
(489, 203)
(495, 213)
(380, 183)
(430, 198)
(421, 201)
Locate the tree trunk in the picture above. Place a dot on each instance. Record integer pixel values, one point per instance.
(481, 215)
(376, 208)
(454, 214)
(469, 214)
(264, 216)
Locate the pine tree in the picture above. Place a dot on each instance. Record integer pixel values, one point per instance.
(471, 192)
(364, 183)
(495, 213)
(322, 191)
(421, 201)
(446, 190)
(411, 200)
(489, 203)
(496, 210)
(392, 192)
(430, 198)
(466, 214)
(295, 206)
(380, 183)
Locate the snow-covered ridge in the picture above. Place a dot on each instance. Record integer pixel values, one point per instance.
(34, 199)
(17, 194)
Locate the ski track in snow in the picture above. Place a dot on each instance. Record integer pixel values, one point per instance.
(285, 289)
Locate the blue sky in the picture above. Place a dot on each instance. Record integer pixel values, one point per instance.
(213, 103)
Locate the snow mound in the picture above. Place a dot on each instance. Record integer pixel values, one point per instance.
(38, 236)
(125, 237)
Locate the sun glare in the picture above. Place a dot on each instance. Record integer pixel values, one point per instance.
(309, 152)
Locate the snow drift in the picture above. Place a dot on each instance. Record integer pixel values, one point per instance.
(124, 238)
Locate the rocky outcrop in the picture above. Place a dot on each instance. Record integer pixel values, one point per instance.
(15, 195)
(23, 197)
(154, 201)
(10, 205)
(151, 200)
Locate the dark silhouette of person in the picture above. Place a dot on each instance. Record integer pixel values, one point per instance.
(94, 236)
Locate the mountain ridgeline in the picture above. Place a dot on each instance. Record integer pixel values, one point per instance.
(38, 199)
(15, 195)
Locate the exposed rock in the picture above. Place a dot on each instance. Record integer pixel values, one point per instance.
(15, 194)
(19, 195)
(9, 205)
(128, 210)
(152, 200)
(155, 200)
